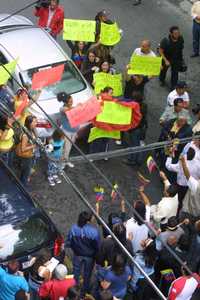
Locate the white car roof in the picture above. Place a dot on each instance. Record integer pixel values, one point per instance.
(14, 20)
(33, 46)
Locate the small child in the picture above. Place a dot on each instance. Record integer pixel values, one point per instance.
(55, 152)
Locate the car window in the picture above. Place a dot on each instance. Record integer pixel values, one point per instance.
(20, 239)
(71, 81)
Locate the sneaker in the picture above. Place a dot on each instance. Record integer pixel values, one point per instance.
(51, 181)
(194, 55)
(137, 2)
(106, 158)
(56, 179)
(118, 142)
(69, 164)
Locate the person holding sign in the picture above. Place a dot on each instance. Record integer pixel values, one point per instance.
(101, 17)
(69, 131)
(51, 16)
(79, 52)
(144, 49)
(89, 67)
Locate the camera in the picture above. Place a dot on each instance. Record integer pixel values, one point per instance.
(196, 109)
(43, 3)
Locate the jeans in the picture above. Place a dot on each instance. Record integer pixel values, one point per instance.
(55, 167)
(99, 145)
(196, 37)
(7, 157)
(174, 75)
(25, 165)
(135, 136)
(85, 265)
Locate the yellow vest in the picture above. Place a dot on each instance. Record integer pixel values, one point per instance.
(8, 142)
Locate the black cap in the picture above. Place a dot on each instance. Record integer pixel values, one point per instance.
(172, 223)
(181, 84)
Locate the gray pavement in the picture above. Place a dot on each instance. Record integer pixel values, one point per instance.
(150, 20)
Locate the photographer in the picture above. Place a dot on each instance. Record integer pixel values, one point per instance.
(51, 16)
(196, 112)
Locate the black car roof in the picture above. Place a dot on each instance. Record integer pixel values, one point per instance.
(15, 203)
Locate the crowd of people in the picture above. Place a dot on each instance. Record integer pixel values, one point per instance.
(101, 269)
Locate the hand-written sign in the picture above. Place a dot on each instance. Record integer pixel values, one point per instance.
(97, 133)
(47, 77)
(110, 34)
(6, 71)
(84, 112)
(79, 30)
(145, 65)
(102, 80)
(115, 113)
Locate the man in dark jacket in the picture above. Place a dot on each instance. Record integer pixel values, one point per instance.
(84, 240)
(171, 50)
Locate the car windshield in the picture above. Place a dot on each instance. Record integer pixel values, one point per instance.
(71, 81)
(21, 238)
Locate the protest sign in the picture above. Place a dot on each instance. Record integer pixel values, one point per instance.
(109, 34)
(102, 80)
(145, 65)
(47, 77)
(84, 112)
(21, 107)
(4, 75)
(79, 30)
(97, 133)
(115, 113)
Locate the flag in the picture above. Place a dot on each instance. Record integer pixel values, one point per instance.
(114, 192)
(151, 164)
(142, 180)
(99, 193)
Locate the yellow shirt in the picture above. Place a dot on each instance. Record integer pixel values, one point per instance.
(8, 142)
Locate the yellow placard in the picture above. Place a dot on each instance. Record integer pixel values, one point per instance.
(115, 113)
(145, 65)
(6, 72)
(109, 34)
(97, 133)
(79, 30)
(102, 80)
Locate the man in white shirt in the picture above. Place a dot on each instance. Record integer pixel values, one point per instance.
(195, 144)
(191, 203)
(179, 92)
(194, 167)
(144, 50)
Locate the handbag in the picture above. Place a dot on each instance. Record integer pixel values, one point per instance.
(23, 154)
(183, 67)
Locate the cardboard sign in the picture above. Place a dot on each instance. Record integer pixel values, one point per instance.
(145, 65)
(4, 75)
(84, 112)
(109, 34)
(114, 113)
(102, 80)
(79, 30)
(97, 133)
(47, 77)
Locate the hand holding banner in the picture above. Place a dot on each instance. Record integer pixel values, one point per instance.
(79, 30)
(145, 65)
(115, 113)
(84, 112)
(4, 75)
(47, 77)
(102, 80)
(97, 133)
(110, 34)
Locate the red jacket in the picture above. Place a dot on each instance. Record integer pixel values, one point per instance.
(56, 24)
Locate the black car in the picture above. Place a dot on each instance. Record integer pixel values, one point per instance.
(24, 227)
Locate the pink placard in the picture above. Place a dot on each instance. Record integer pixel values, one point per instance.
(47, 77)
(84, 112)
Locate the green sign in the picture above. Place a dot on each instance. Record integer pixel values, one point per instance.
(110, 34)
(145, 65)
(79, 30)
(97, 133)
(102, 80)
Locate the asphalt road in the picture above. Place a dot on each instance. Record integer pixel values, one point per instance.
(150, 20)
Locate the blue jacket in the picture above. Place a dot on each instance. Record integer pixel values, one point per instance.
(84, 241)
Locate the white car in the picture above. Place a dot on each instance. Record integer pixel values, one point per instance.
(37, 50)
